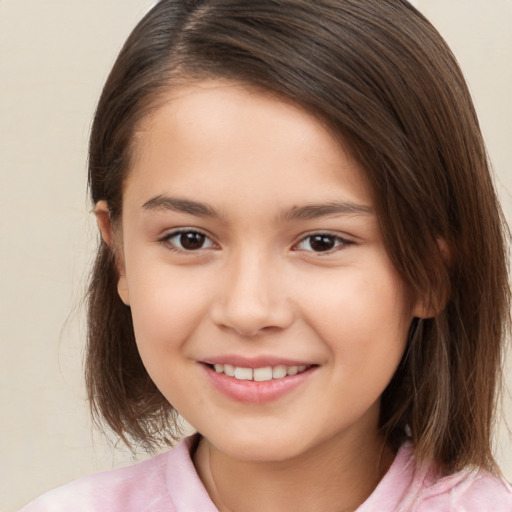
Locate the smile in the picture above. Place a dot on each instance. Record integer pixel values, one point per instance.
(262, 374)
(257, 383)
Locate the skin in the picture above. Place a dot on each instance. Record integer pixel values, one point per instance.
(258, 288)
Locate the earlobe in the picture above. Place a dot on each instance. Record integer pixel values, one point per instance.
(122, 289)
(108, 236)
(434, 303)
(437, 301)
(423, 311)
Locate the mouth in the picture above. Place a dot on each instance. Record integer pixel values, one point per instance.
(262, 374)
(257, 384)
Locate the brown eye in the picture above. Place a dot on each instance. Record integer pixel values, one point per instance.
(322, 242)
(192, 241)
(188, 241)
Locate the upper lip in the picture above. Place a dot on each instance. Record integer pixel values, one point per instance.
(255, 362)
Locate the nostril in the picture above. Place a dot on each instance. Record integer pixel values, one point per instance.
(249, 322)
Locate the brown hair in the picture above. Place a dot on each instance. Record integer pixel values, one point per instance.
(381, 77)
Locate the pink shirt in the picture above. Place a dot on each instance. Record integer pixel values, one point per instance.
(169, 483)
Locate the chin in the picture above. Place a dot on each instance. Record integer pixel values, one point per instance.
(258, 447)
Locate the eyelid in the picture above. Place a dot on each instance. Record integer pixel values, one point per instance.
(165, 239)
(342, 238)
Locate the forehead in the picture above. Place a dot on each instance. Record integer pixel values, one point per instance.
(222, 134)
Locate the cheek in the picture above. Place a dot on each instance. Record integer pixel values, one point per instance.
(166, 310)
(362, 315)
(166, 306)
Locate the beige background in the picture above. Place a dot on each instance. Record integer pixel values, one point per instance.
(54, 58)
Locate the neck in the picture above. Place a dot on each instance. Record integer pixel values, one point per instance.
(337, 475)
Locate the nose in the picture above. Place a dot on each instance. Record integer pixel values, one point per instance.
(252, 298)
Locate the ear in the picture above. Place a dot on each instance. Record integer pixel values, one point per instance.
(431, 307)
(423, 310)
(110, 238)
(436, 302)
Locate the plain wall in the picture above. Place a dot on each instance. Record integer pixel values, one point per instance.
(54, 58)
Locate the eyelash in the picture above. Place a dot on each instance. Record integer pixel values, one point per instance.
(338, 241)
(167, 240)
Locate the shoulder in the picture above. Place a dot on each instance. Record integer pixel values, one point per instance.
(142, 486)
(410, 487)
(468, 491)
(110, 491)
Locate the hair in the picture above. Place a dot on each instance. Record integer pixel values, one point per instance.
(384, 81)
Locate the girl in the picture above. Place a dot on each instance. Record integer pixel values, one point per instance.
(303, 255)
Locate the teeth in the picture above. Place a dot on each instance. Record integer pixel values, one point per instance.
(293, 370)
(243, 373)
(262, 374)
(258, 374)
(278, 372)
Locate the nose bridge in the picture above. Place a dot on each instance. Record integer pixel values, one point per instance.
(252, 296)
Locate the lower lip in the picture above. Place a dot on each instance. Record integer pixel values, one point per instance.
(254, 392)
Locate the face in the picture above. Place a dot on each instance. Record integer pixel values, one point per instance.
(265, 306)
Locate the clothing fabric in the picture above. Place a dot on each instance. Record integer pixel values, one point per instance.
(169, 483)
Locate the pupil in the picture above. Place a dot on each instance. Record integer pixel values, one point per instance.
(322, 242)
(192, 241)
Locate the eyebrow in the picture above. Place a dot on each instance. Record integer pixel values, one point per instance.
(309, 211)
(182, 206)
(314, 211)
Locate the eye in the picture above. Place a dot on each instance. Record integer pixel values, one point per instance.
(322, 242)
(188, 240)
